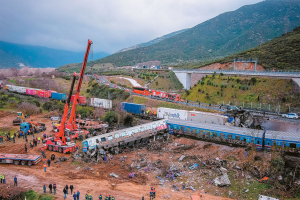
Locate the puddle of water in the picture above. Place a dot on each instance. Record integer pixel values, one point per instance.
(281, 126)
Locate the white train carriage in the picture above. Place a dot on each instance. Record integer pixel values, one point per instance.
(129, 136)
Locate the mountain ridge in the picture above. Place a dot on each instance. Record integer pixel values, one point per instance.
(17, 55)
(154, 41)
(223, 35)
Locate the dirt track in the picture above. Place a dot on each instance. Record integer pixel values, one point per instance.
(98, 180)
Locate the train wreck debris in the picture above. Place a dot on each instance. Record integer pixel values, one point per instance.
(119, 141)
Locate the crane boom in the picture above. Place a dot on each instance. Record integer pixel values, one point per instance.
(61, 133)
(73, 115)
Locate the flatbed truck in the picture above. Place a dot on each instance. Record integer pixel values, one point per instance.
(17, 159)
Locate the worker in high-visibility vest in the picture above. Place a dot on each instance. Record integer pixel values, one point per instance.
(45, 167)
(39, 139)
(1, 177)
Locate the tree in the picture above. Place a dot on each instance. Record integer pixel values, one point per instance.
(111, 118)
(13, 71)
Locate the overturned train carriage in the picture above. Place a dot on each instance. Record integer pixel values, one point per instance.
(119, 140)
(234, 135)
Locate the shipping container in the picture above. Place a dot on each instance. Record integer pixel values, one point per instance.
(134, 108)
(21, 90)
(28, 91)
(12, 88)
(81, 99)
(34, 91)
(169, 113)
(44, 93)
(102, 103)
(206, 117)
(59, 96)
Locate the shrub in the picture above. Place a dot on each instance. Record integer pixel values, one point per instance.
(238, 80)
(88, 90)
(4, 98)
(28, 108)
(84, 111)
(128, 120)
(253, 80)
(111, 118)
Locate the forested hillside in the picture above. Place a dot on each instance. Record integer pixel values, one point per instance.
(224, 35)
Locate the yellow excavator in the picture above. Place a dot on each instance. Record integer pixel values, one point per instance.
(19, 120)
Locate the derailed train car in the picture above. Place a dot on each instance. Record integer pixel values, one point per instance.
(235, 135)
(117, 141)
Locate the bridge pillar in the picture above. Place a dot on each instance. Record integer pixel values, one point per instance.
(185, 78)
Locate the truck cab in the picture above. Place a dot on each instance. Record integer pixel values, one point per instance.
(24, 128)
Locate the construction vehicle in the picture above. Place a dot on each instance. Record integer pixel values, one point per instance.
(35, 127)
(19, 120)
(61, 142)
(72, 123)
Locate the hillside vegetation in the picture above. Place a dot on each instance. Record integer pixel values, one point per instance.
(224, 35)
(166, 81)
(156, 40)
(281, 53)
(216, 89)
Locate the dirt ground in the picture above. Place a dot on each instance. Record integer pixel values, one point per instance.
(94, 177)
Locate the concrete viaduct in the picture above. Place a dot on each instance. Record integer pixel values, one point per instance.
(185, 76)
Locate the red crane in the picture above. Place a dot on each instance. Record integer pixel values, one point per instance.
(71, 124)
(59, 143)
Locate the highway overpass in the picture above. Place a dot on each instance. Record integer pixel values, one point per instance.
(185, 75)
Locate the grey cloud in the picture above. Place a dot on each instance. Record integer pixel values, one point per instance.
(111, 24)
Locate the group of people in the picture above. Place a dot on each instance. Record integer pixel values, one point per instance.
(2, 178)
(51, 186)
(101, 197)
(152, 193)
(11, 137)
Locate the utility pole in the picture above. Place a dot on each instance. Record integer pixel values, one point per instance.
(108, 100)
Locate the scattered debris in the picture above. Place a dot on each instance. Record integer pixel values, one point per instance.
(61, 159)
(181, 157)
(222, 180)
(114, 175)
(262, 197)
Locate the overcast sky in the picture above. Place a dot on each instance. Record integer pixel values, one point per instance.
(110, 24)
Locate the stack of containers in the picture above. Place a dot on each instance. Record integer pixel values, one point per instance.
(81, 99)
(59, 96)
(169, 113)
(134, 108)
(102, 103)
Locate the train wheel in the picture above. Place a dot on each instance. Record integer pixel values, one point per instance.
(16, 162)
(60, 150)
(50, 148)
(23, 162)
(29, 163)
